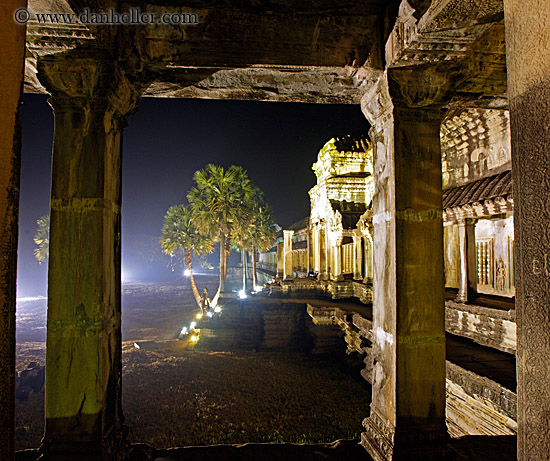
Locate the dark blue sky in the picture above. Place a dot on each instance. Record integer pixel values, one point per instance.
(165, 142)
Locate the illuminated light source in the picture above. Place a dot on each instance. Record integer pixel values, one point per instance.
(258, 288)
(184, 331)
(199, 315)
(209, 314)
(217, 309)
(194, 338)
(187, 272)
(193, 325)
(242, 294)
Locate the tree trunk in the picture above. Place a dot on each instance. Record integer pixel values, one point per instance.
(222, 263)
(254, 276)
(192, 279)
(243, 254)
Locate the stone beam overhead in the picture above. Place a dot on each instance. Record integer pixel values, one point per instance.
(317, 34)
(328, 85)
(313, 52)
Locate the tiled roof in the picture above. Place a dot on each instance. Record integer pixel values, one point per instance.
(477, 191)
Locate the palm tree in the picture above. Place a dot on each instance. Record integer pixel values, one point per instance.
(42, 238)
(218, 202)
(264, 233)
(179, 233)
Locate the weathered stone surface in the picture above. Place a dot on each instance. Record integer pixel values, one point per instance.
(494, 328)
(528, 59)
(12, 36)
(83, 402)
(408, 404)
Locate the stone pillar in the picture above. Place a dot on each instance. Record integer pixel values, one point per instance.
(407, 417)
(83, 356)
(468, 270)
(357, 257)
(337, 261)
(462, 296)
(323, 256)
(280, 260)
(528, 72)
(12, 62)
(287, 251)
(368, 260)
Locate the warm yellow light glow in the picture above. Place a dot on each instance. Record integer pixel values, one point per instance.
(199, 315)
(194, 338)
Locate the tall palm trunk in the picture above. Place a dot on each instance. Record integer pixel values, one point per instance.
(222, 263)
(243, 254)
(254, 276)
(191, 278)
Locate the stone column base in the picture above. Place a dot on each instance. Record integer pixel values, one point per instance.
(382, 442)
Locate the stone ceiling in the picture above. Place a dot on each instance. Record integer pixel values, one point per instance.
(319, 51)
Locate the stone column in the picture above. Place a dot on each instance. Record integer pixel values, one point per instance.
(407, 418)
(83, 356)
(287, 251)
(337, 261)
(528, 72)
(358, 257)
(280, 260)
(368, 259)
(462, 296)
(12, 36)
(468, 270)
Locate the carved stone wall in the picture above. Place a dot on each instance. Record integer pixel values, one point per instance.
(474, 144)
(452, 256)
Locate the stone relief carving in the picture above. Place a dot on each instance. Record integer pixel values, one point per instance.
(501, 275)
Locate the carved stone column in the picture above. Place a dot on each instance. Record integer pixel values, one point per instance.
(528, 72)
(12, 37)
(462, 296)
(357, 257)
(83, 358)
(337, 261)
(323, 255)
(467, 276)
(280, 260)
(407, 418)
(287, 251)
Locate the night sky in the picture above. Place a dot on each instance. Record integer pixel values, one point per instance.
(165, 142)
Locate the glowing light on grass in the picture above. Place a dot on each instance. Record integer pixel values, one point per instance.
(199, 315)
(217, 309)
(242, 294)
(187, 272)
(194, 339)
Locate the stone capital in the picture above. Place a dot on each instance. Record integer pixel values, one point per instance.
(89, 81)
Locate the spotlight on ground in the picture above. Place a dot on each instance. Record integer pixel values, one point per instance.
(242, 294)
